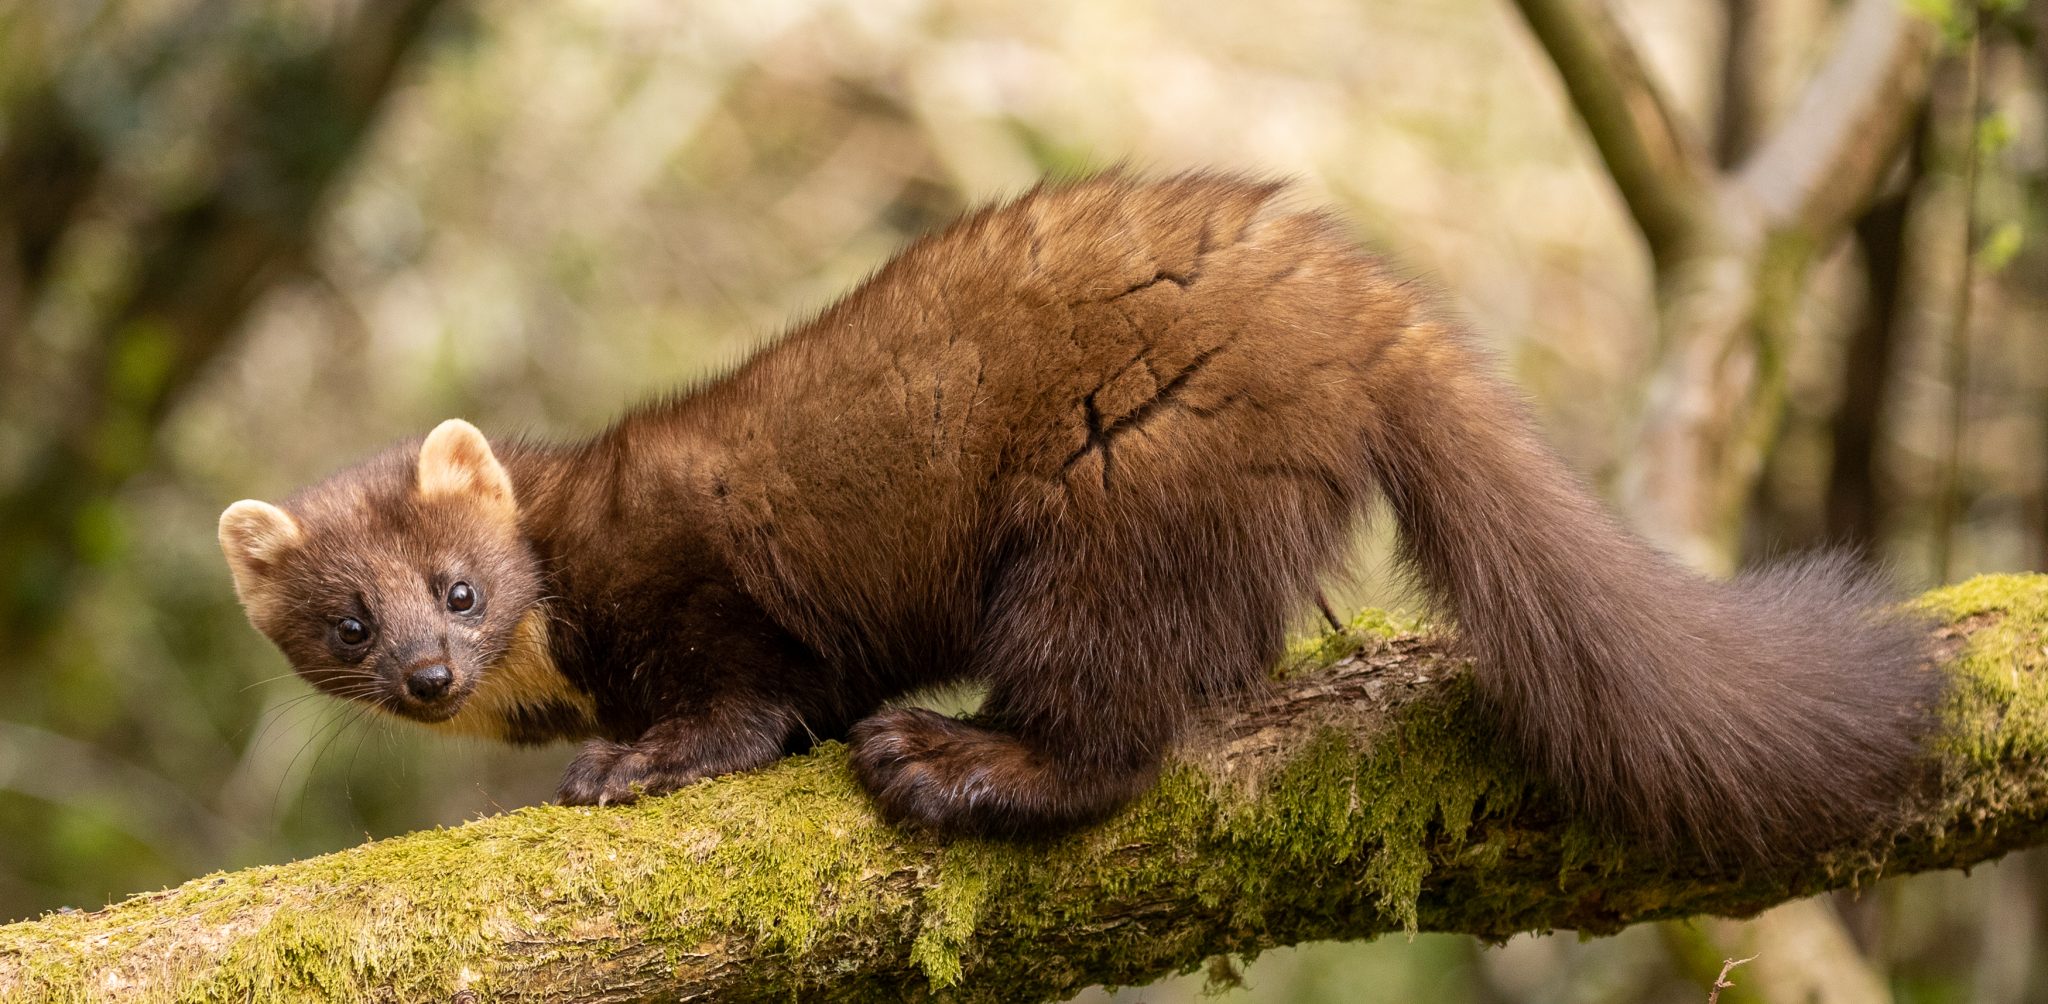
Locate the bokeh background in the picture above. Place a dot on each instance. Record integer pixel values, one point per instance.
(243, 242)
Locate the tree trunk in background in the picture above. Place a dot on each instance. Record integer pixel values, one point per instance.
(290, 125)
(1854, 510)
(1731, 249)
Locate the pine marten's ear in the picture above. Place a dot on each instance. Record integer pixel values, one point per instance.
(255, 535)
(457, 460)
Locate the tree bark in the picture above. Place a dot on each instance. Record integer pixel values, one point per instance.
(1366, 793)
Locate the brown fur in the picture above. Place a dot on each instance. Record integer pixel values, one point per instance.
(1093, 448)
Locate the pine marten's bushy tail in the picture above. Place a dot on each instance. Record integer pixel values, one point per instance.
(1753, 718)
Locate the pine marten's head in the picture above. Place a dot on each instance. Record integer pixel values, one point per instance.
(403, 582)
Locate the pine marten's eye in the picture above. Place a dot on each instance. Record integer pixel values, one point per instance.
(461, 597)
(352, 632)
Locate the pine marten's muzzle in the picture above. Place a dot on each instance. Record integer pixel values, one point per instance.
(429, 689)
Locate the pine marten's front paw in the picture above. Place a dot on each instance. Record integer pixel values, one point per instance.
(609, 773)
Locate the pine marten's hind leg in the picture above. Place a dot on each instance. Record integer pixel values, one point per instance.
(1093, 663)
(1004, 774)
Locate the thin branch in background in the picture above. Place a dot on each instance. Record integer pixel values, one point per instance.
(1655, 162)
(1721, 981)
(1956, 364)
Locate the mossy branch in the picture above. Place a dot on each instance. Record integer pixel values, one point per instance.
(1365, 794)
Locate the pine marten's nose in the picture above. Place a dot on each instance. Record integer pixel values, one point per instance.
(428, 682)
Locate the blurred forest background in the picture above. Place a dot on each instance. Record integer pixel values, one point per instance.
(243, 242)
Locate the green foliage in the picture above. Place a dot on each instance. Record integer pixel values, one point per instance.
(2001, 246)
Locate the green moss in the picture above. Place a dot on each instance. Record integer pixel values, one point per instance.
(1421, 787)
(1383, 809)
(1998, 694)
(1366, 632)
(783, 856)
(953, 908)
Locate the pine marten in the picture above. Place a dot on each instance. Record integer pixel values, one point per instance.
(1092, 448)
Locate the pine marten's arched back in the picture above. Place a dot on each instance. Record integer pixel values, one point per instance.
(1092, 448)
